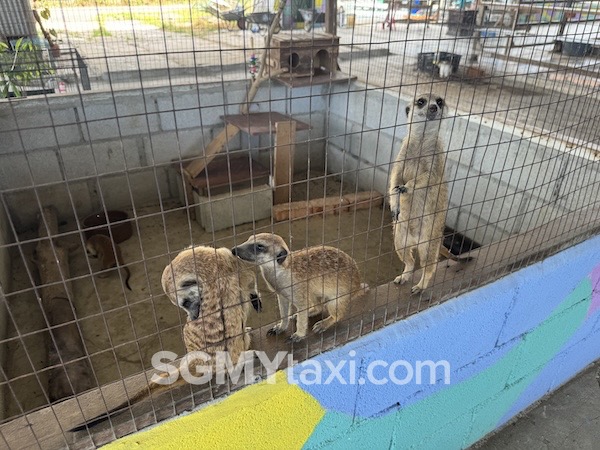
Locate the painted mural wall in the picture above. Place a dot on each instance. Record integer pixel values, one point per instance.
(493, 352)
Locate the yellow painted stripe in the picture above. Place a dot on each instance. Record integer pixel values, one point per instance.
(261, 416)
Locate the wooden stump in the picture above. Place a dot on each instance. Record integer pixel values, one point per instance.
(70, 372)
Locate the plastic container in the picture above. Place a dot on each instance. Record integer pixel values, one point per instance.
(576, 48)
(426, 61)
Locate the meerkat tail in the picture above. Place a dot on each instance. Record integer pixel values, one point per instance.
(128, 275)
(449, 255)
(154, 389)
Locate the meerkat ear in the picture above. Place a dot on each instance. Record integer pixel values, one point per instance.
(407, 110)
(281, 256)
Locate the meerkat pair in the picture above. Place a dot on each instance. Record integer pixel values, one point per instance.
(418, 191)
(314, 280)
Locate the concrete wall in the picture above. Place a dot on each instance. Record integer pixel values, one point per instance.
(503, 180)
(505, 344)
(117, 149)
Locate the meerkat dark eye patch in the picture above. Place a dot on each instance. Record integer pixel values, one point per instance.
(421, 102)
(259, 248)
(440, 102)
(186, 304)
(281, 256)
(189, 283)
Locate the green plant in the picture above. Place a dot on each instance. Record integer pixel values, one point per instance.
(41, 10)
(20, 66)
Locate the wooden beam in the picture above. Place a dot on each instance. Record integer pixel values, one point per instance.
(283, 170)
(193, 168)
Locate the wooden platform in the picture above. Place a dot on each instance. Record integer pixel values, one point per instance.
(230, 171)
(262, 122)
(325, 78)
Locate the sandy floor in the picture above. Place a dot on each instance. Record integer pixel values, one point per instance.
(122, 329)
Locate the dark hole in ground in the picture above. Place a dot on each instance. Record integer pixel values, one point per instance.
(458, 243)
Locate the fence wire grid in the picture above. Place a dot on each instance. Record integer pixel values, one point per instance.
(163, 119)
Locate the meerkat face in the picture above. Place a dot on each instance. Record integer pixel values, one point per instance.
(91, 250)
(426, 107)
(189, 297)
(91, 246)
(184, 290)
(263, 248)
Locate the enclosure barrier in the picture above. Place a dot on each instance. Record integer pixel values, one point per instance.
(167, 134)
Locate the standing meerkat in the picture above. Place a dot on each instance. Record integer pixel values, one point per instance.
(215, 290)
(313, 279)
(108, 252)
(418, 191)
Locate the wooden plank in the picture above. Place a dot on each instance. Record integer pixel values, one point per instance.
(188, 192)
(363, 200)
(230, 169)
(193, 168)
(292, 210)
(53, 422)
(327, 78)
(261, 123)
(283, 167)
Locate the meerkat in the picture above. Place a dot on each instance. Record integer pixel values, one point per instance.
(418, 191)
(108, 252)
(445, 69)
(215, 291)
(313, 280)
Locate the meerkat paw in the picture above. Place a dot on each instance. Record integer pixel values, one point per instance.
(322, 325)
(416, 289)
(395, 201)
(401, 279)
(295, 338)
(277, 329)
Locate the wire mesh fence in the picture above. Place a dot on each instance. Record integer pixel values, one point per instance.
(159, 126)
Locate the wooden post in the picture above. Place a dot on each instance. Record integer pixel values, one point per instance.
(283, 167)
(331, 17)
(511, 38)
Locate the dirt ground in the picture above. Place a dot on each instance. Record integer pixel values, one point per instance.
(122, 329)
